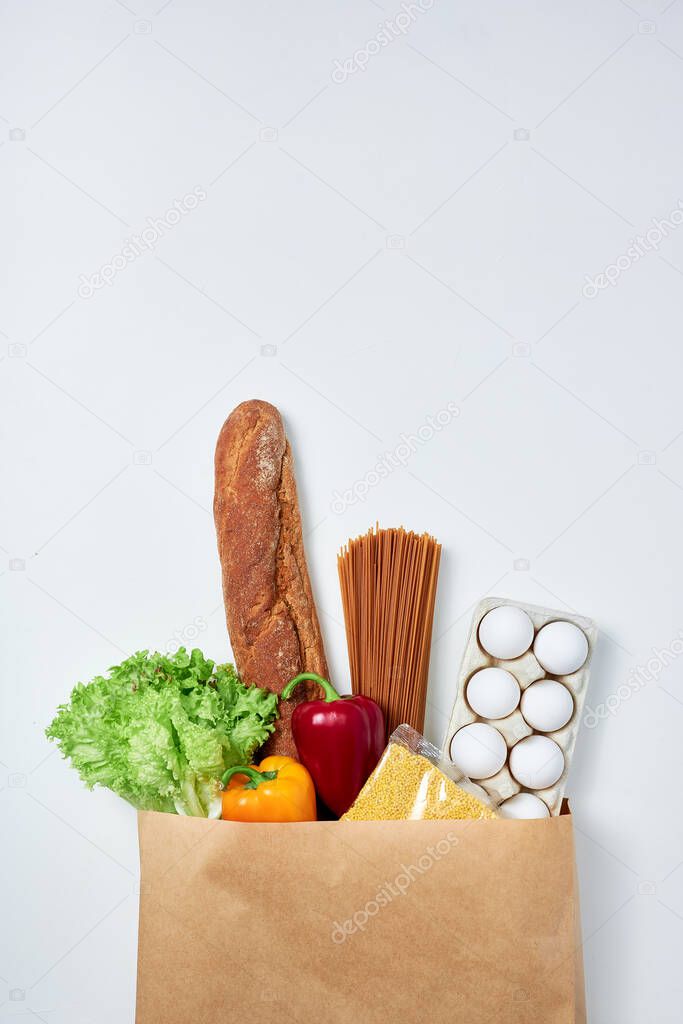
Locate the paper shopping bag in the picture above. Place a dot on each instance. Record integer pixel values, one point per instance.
(358, 922)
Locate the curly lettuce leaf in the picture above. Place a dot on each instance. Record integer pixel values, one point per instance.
(160, 730)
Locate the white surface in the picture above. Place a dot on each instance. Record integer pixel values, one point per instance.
(367, 253)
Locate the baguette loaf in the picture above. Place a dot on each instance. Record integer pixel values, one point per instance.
(271, 617)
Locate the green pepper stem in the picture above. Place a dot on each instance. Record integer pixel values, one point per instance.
(329, 690)
(255, 777)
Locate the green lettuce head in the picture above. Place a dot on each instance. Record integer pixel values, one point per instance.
(160, 730)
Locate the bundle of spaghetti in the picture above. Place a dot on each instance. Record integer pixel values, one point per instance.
(388, 582)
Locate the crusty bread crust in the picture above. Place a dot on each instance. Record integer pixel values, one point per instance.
(271, 616)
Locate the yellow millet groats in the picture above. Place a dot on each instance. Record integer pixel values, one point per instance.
(405, 785)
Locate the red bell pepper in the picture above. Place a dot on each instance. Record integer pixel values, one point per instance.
(339, 739)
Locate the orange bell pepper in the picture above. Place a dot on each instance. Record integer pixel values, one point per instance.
(279, 789)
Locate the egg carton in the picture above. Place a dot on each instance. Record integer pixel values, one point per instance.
(526, 669)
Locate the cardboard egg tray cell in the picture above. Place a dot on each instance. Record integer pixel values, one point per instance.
(526, 669)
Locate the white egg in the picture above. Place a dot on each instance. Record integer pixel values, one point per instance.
(493, 693)
(478, 750)
(536, 762)
(547, 705)
(561, 648)
(506, 632)
(524, 805)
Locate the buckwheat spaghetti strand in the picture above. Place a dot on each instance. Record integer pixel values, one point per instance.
(413, 612)
(421, 651)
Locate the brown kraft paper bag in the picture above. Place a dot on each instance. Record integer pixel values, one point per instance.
(348, 922)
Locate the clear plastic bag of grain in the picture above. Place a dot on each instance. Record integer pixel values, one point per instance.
(413, 782)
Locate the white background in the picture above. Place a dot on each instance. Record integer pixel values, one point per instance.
(368, 251)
